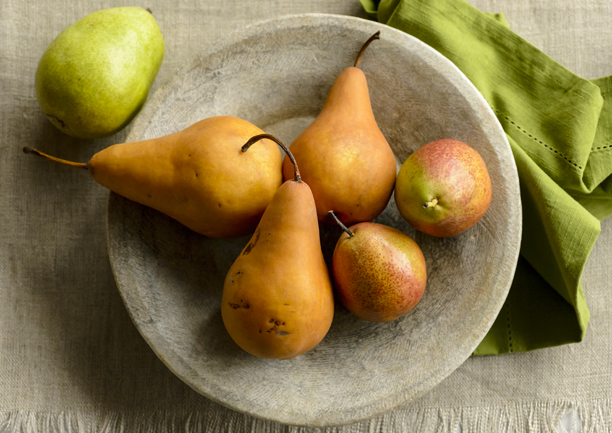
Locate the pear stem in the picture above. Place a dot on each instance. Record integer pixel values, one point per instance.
(79, 165)
(368, 42)
(432, 203)
(345, 228)
(252, 140)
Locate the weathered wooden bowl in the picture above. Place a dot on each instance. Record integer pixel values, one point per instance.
(276, 75)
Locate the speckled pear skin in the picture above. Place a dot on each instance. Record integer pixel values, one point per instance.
(344, 156)
(380, 272)
(96, 74)
(443, 188)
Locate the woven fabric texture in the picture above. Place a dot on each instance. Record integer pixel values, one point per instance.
(70, 357)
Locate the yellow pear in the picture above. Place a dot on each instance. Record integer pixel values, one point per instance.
(198, 176)
(343, 155)
(277, 297)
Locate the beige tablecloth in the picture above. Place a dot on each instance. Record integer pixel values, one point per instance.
(71, 359)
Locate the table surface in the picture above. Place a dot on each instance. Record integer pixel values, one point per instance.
(70, 357)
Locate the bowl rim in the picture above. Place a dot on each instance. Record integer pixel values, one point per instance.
(180, 367)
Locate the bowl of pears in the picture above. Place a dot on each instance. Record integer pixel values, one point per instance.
(315, 222)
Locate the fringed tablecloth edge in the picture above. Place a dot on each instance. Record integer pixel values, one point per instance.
(594, 416)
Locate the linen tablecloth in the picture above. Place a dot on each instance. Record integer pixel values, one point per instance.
(71, 359)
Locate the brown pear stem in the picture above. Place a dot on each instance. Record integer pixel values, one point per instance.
(252, 140)
(345, 228)
(368, 42)
(432, 203)
(81, 165)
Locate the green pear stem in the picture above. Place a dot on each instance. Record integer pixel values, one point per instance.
(368, 42)
(80, 165)
(431, 203)
(345, 228)
(255, 139)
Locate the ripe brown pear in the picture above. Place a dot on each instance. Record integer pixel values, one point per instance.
(343, 155)
(198, 176)
(277, 297)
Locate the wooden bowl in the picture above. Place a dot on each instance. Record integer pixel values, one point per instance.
(277, 74)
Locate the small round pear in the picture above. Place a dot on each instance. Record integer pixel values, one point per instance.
(443, 188)
(379, 272)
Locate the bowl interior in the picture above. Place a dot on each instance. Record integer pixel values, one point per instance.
(277, 75)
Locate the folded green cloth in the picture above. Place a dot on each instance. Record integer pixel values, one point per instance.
(560, 129)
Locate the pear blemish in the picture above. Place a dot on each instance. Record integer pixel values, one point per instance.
(251, 244)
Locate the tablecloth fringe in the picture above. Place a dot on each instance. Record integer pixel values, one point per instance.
(541, 417)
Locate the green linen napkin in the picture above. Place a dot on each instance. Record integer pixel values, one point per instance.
(560, 130)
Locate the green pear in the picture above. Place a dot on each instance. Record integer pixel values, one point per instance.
(379, 272)
(96, 74)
